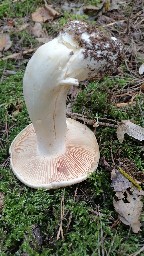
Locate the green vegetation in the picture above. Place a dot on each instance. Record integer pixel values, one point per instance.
(30, 219)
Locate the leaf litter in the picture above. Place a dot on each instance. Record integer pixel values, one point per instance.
(43, 14)
(133, 130)
(128, 193)
(5, 42)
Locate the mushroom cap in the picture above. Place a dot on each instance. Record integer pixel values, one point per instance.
(75, 165)
(95, 52)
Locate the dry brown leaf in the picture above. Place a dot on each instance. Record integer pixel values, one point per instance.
(133, 130)
(51, 11)
(130, 211)
(37, 30)
(128, 194)
(5, 42)
(43, 14)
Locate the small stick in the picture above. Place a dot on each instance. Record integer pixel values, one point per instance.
(94, 123)
(138, 252)
(18, 54)
(113, 23)
(60, 231)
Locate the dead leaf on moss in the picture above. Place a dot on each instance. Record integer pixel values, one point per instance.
(133, 130)
(37, 30)
(119, 182)
(129, 208)
(5, 42)
(128, 193)
(43, 14)
(40, 33)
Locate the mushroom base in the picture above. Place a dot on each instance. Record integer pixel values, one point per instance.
(75, 165)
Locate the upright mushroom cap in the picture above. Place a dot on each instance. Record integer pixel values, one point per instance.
(54, 151)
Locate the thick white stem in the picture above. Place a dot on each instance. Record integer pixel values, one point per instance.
(53, 68)
(45, 90)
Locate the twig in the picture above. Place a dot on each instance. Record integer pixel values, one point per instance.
(113, 23)
(138, 252)
(60, 231)
(18, 54)
(5, 163)
(87, 121)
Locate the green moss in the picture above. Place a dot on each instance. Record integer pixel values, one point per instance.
(18, 9)
(88, 211)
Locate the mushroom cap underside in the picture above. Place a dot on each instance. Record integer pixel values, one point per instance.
(75, 165)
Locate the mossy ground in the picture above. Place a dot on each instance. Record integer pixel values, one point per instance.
(30, 219)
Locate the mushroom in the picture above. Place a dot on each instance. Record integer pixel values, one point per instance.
(54, 151)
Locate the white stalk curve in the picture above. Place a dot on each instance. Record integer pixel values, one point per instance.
(54, 151)
(45, 91)
(51, 71)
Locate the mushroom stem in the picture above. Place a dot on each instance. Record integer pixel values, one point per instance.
(45, 91)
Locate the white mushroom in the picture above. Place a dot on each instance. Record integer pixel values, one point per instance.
(54, 151)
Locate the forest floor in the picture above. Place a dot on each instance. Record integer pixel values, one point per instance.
(79, 220)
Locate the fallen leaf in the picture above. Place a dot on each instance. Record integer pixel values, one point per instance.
(129, 211)
(119, 182)
(141, 69)
(43, 14)
(133, 130)
(37, 30)
(51, 11)
(5, 42)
